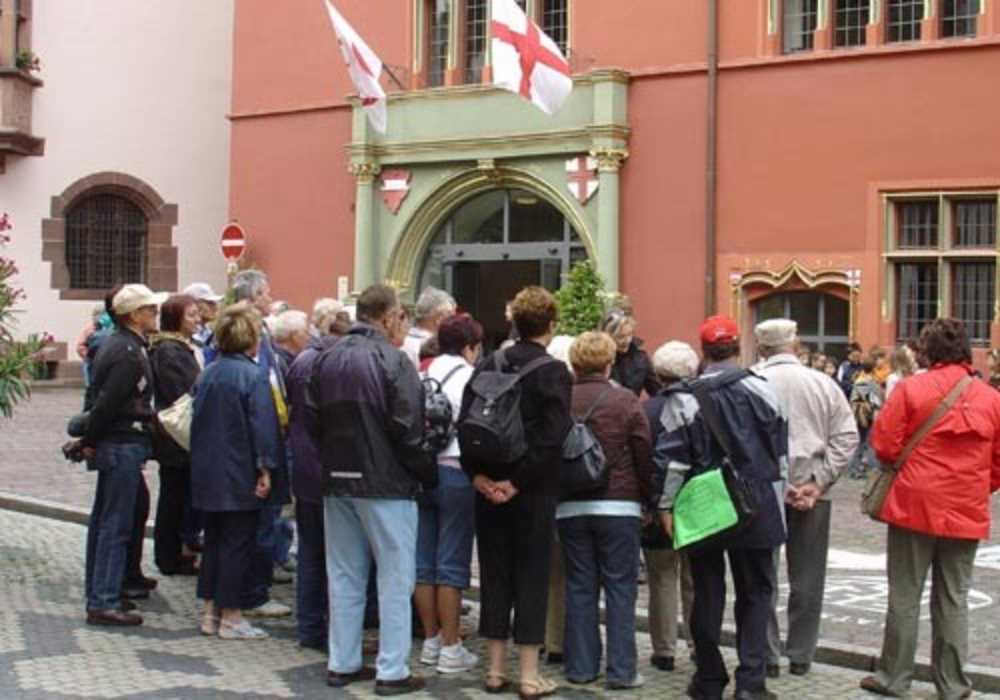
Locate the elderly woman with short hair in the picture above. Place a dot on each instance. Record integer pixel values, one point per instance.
(599, 529)
(230, 477)
(674, 363)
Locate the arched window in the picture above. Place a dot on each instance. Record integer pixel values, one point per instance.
(105, 242)
(823, 319)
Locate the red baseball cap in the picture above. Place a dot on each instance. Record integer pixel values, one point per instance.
(718, 329)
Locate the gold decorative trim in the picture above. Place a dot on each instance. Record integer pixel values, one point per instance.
(851, 279)
(609, 160)
(488, 167)
(409, 250)
(365, 172)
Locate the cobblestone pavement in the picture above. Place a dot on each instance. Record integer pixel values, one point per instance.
(46, 650)
(30, 465)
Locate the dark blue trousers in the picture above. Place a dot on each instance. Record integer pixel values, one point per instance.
(310, 581)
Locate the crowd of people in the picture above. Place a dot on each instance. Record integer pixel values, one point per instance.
(405, 447)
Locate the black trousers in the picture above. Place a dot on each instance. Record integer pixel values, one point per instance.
(514, 546)
(171, 506)
(230, 541)
(753, 578)
(133, 560)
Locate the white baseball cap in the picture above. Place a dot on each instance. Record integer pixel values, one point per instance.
(202, 291)
(135, 296)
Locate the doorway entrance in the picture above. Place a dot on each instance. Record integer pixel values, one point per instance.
(822, 319)
(494, 245)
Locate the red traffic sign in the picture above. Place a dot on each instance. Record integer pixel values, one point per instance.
(233, 242)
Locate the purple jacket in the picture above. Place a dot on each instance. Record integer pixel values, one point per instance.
(307, 469)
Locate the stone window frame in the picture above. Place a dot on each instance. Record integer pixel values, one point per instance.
(161, 252)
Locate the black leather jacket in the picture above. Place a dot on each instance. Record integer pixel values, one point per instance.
(120, 396)
(634, 370)
(365, 411)
(175, 370)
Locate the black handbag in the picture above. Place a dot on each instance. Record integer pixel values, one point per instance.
(584, 464)
(744, 500)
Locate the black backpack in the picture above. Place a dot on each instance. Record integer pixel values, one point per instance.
(584, 465)
(439, 424)
(492, 431)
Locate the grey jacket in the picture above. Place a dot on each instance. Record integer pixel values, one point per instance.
(822, 434)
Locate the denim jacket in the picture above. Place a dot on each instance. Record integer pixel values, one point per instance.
(233, 434)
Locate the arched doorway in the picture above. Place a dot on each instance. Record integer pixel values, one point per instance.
(493, 245)
(823, 319)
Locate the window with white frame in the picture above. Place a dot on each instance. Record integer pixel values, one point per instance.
(903, 19)
(942, 255)
(959, 17)
(798, 24)
(438, 44)
(850, 22)
(476, 32)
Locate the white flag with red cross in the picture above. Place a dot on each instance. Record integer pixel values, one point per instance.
(363, 66)
(526, 60)
(581, 177)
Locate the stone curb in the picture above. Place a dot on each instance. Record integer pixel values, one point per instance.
(984, 679)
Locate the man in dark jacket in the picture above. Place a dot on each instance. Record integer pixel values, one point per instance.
(368, 421)
(117, 443)
(754, 425)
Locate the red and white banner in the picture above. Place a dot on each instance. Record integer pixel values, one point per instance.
(363, 66)
(395, 187)
(526, 60)
(581, 177)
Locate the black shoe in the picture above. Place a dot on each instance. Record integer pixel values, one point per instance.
(773, 671)
(127, 605)
(135, 593)
(696, 694)
(142, 582)
(798, 669)
(554, 658)
(755, 695)
(339, 680)
(664, 663)
(113, 618)
(317, 644)
(410, 684)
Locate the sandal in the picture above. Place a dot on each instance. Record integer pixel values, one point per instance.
(537, 688)
(496, 683)
(209, 625)
(243, 630)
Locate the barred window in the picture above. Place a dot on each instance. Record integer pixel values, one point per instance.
(917, 297)
(798, 25)
(105, 242)
(475, 40)
(959, 17)
(973, 296)
(850, 22)
(918, 224)
(437, 53)
(903, 20)
(555, 23)
(975, 223)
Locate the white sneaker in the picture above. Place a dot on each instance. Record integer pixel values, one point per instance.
(271, 608)
(456, 659)
(430, 651)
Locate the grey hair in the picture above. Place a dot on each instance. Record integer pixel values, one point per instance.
(675, 359)
(324, 313)
(432, 300)
(290, 322)
(248, 284)
(613, 320)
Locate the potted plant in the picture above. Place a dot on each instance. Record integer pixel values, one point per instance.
(27, 61)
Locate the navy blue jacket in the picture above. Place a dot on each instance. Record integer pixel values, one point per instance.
(307, 469)
(233, 434)
(757, 428)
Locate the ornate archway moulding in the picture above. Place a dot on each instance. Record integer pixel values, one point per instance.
(403, 267)
(161, 253)
(794, 276)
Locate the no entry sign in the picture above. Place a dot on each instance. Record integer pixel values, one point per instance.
(233, 242)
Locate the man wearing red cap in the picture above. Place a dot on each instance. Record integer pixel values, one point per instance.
(750, 421)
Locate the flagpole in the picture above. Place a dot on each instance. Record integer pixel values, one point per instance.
(393, 76)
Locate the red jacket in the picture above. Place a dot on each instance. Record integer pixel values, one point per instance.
(944, 487)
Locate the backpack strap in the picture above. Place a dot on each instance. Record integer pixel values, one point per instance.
(702, 394)
(939, 412)
(451, 373)
(597, 401)
(535, 364)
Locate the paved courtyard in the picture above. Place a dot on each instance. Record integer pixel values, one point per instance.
(41, 564)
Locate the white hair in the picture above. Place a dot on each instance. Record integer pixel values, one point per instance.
(675, 359)
(290, 322)
(432, 301)
(559, 348)
(325, 312)
(248, 285)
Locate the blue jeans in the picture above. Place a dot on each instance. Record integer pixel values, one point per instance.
(310, 581)
(447, 525)
(119, 470)
(357, 529)
(600, 551)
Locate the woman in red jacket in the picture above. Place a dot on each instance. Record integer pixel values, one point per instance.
(937, 509)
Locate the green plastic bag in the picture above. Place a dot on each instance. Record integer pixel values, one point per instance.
(702, 508)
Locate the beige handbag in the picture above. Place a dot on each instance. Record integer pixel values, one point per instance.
(882, 477)
(176, 420)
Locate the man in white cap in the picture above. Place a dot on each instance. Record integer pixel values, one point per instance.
(822, 436)
(208, 309)
(117, 442)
